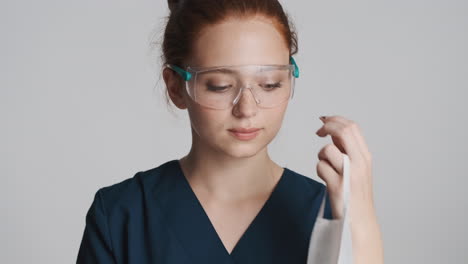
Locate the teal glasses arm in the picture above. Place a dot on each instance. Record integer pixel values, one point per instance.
(296, 68)
(187, 75)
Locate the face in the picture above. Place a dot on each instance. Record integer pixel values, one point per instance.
(236, 42)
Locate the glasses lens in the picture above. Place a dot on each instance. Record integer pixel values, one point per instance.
(219, 88)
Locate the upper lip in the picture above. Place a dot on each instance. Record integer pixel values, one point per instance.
(244, 130)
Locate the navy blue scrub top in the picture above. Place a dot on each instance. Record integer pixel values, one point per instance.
(155, 217)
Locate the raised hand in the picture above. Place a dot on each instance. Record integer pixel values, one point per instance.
(347, 139)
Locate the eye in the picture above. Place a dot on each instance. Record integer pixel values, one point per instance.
(218, 88)
(271, 86)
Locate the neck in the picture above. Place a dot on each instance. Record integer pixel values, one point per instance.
(230, 178)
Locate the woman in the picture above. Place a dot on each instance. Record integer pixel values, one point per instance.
(230, 64)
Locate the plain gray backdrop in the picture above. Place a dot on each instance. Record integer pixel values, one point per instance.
(82, 107)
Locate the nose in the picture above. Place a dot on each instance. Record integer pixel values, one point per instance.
(246, 104)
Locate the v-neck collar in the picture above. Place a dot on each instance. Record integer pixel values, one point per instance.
(190, 223)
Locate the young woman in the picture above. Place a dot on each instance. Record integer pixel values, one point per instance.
(230, 64)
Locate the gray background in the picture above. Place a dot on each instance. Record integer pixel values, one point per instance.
(82, 107)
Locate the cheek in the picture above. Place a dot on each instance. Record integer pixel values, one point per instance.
(207, 122)
(274, 117)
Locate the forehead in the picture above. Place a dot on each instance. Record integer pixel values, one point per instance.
(239, 42)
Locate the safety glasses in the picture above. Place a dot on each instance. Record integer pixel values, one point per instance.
(221, 87)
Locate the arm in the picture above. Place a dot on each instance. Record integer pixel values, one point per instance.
(365, 233)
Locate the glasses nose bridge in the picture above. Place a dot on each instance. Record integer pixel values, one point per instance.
(241, 91)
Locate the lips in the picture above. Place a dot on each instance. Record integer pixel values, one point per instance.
(241, 134)
(244, 130)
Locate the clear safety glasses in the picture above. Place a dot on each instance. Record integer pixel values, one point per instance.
(221, 87)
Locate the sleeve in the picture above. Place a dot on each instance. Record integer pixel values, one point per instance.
(327, 210)
(95, 247)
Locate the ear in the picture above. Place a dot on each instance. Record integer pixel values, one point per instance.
(175, 87)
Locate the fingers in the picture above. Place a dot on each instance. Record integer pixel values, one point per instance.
(328, 174)
(334, 182)
(345, 135)
(332, 155)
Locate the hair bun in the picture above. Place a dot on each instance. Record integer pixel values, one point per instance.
(173, 4)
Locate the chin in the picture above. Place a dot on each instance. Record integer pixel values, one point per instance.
(241, 149)
(241, 154)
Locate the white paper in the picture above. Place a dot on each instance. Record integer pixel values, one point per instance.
(330, 241)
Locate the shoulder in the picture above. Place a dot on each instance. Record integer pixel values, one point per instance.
(310, 191)
(131, 192)
(306, 183)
